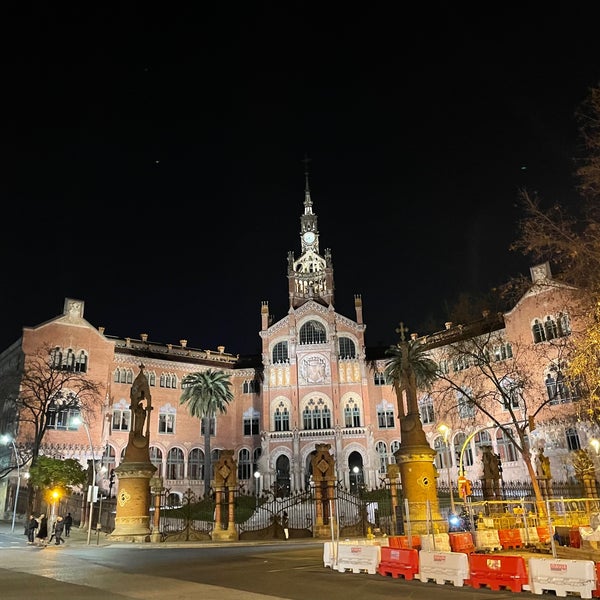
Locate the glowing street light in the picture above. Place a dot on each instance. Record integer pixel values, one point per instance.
(92, 489)
(8, 440)
(595, 444)
(445, 431)
(256, 479)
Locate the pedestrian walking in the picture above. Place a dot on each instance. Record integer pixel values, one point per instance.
(42, 533)
(68, 522)
(285, 521)
(32, 525)
(57, 531)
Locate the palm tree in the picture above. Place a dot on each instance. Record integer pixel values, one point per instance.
(205, 393)
(410, 368)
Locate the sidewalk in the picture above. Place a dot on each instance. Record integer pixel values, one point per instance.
(79, 538)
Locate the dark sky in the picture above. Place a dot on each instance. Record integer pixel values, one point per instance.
(152, 159)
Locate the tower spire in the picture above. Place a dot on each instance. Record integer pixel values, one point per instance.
(307, 198)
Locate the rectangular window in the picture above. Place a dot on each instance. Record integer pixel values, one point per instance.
(379, 378)
(385, 418)
(121, 420)
(212, 426)
(251, 426)
(166, 423)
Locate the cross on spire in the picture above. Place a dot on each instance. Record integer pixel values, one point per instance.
(402, 329)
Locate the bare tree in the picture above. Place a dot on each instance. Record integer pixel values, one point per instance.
(49, 391)
(569, 238)
(495, 383)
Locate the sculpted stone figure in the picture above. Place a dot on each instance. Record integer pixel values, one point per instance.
(140, 393)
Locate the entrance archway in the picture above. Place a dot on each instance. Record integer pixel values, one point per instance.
(282, 482)
(356, 472)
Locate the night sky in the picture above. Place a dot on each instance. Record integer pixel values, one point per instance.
(153, 160)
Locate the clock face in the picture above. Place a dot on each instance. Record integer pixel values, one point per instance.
(309, 237)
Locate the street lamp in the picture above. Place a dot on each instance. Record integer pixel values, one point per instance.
(256, 478)
(8, 440)
(92, 490)
(595, 444)
(445, 431)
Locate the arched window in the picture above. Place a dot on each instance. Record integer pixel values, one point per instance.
(381, 450)
(196, 464)
(441, 458)
(572, 436)
(467, 455)
(564, 326)
(280, 353)
(506, 449)
(282, 418)
(316, 415)
(351, 414)
(313, 332)
(426, 411)
(347, 348)
(550, 328)
(156, 458)
(175, 464)
(108, 461)
(244, 464)
(481, 439)
(538, 332)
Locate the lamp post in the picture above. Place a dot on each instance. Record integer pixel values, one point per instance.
(445, 431)
(92, 490)
(6, 440)
(256, 481)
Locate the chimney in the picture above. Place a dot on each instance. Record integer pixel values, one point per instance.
(183, 343)
(144, 337)
(101, 330)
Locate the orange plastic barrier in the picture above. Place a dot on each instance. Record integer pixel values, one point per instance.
(399, 562)
(461, 542)
(596, 592)
(544, 534)
(403, 541)
(497, 572)
(510, 538)
(574, 538)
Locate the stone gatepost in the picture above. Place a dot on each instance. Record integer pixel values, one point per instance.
(225, 486)
(323, 471)
(132, 522)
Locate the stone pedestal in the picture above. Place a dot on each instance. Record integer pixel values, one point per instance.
(132, 522)
(418, 475)
(225, 483)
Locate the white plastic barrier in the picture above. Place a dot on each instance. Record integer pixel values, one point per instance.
(358, 557)
(441, 540)
(563, 576)
(443, 567)
(487, 539)
(530, 535)
(329, 554)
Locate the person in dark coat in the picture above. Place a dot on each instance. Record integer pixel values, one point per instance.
(68, 522)
(57, 531)
(42, 534)
(31, 527)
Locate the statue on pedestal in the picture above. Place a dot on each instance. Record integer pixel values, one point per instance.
(542, 469)
(139, 440)
(491, 474)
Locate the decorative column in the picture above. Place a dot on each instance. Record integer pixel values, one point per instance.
(132, 522)
(225, 485)
(157, 490)
(323, 470)
(415, 456)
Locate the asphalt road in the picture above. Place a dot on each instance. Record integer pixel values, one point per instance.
(278, 570)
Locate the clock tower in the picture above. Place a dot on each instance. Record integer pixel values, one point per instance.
(311, 275)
